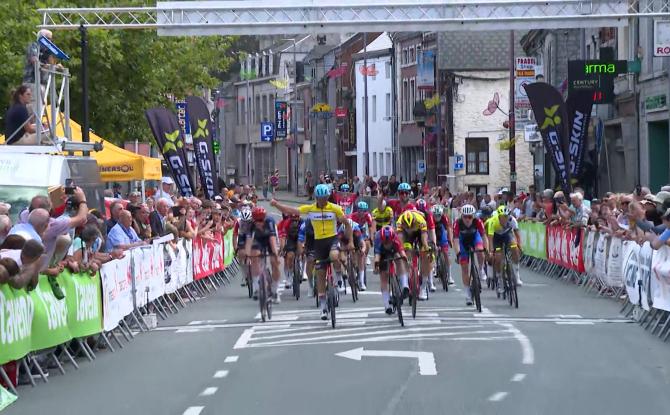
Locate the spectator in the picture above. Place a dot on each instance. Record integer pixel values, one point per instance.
(141, 223)
(35, 228)
(123, 236)
(393, 186)
(5, 227)
(309, 185)
(116, 189)
(359, 186)
(114, 209)
(134, 198)
(664, 238)
(579, 212)
(274, 182)
(20, 128)
(529, 202)
(5, 208)
(150, 204)
(23, 265)
(165, 192)
(158, 217)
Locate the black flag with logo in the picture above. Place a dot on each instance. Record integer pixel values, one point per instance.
(579, 105)
(551, 116)
(165, 127)
(201, 130)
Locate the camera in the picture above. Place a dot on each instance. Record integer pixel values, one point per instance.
(69, 187)
(71, 203)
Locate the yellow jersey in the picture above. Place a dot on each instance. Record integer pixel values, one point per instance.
(493, 225)
(324, 220)
(382, 217)
(418, 222)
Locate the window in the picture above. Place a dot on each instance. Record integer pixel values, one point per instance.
(412, 56)
(258, 109)
(418, 53)
(412, 97)
(405, 101)
(374, 108)
(381, 164)
(241, 113)
(387, 110)
(405, 56)
(389, 165)
(477, 155)
(478, 189)
(265, 107)
(387, 69)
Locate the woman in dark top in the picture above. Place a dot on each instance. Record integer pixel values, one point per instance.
(18, 127)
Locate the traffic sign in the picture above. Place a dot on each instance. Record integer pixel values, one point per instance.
(267, 131)
(421, 166)
(458, 162)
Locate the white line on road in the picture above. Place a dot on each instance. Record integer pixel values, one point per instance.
(564, 315)
(231, 359)
(426, 359)
(526, 346)
(518, 377)
(497, 397)
(220, 374)
(209, 391)
(244, 339)
(193, 410)
(575, 323)
(201, 322)
(195, 330)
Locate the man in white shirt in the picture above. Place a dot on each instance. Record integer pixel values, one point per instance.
(165, 192)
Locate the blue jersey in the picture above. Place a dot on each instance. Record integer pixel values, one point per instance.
(305, 230)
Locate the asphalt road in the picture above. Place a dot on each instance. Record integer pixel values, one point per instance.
(561, 352)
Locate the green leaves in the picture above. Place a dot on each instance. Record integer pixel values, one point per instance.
(129, 70)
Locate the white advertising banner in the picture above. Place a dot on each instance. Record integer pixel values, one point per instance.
(117, 300)
(660, 279)
(600, 257)
(589, 248)
(644, 269)
(148, 269)
(631, 274)
(614, 274)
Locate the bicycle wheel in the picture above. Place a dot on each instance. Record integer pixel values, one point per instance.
(414, 288)
(250, 287)
(475, 284)
(331, 305)
(514, 297)
(297, 278)
(353, 282)
(262, 298)
(397, 298)
(508, 283)
(268, 301)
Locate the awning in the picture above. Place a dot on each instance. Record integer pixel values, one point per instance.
(115, 163)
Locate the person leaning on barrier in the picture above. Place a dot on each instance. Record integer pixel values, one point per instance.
(657, 241)
(123, 236)
(27, 258)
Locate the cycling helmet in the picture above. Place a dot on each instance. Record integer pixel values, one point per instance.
(245, 215)
(387, 234)
(258, 213)
(468, 210)
(322, 191)
(407, 218)
(362, 206)
(404, 187)
(438, 211)
(421, 205)
(503, 210)
(382, 204)
(487, 211)
(344, 187)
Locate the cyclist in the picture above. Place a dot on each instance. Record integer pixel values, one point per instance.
(359, 243)
(443, 234)
(387, 246)
(306, 246)
(262, 240)
(382, 214)
(470, 232)
(243, 228)
(324, 216)
(288, 241)
(503, 228)
(411, 228)
(402, 203)
(344, 187)
(364, 220)
(422, 206)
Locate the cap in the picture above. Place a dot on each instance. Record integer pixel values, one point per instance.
(135, 194)
(218, 198)
(661, 197)
(167, 180)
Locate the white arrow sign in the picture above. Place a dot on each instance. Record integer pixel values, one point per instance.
(426, 359)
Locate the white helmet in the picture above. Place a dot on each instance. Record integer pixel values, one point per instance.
(468, 210)
(245, 215)
(438, 210)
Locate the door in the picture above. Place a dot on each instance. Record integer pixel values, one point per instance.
(659, 154)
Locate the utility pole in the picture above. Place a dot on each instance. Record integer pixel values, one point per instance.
(84, 85)
(365, 110)
(512, 132)
(248, 114)
(294, 120)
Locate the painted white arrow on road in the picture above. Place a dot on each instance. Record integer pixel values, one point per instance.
(426, 359)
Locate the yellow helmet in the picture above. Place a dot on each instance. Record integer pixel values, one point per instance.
(408, 218)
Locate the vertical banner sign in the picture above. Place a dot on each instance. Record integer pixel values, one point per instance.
(551, 115)
(579, 104)
(166, 131)
(524, 74)
(182, 116)
(203, 143)
(425, 77)
(281, 119)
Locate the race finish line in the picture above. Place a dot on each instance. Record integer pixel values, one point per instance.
(202, 18)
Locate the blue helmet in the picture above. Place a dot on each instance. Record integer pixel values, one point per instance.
(344, 187)
(404, 187)
(362, 206)
(322, 191)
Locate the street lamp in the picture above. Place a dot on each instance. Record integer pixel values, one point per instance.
(294, 121)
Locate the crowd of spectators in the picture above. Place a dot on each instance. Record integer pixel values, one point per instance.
(367, 186)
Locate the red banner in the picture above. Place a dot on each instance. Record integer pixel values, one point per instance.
(207, 256)
(564, 247)
(346, 201)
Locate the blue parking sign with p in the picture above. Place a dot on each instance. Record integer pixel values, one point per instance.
(267, 131)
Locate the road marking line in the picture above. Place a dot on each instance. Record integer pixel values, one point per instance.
(526, 346)
(564, 315)
(209, 391)
(220, 374)
(575, 323)
(195, 330)
(498, 396)
(243, 339)
(231, 359)
(193, 410)
(426, 360)
(518, 377)
(201, 322)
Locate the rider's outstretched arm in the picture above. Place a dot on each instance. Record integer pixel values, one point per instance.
(287, 210)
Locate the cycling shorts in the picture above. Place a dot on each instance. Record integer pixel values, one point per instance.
(500, 239)
(291, 245)
(322, 247)
(476, 243)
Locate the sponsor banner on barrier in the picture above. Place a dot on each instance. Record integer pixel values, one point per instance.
(631, 275)
(589, 247)
(614, 275)
(6, 398)
(644, 269)
(564, 247)
(38, 320)
(600, 256)
(149, 270)
(660, 279)
(228, 251)
(117, 294)
(176, 265)
(533, 236)
(207, 256)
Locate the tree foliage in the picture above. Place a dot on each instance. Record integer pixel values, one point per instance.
(129, 70)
